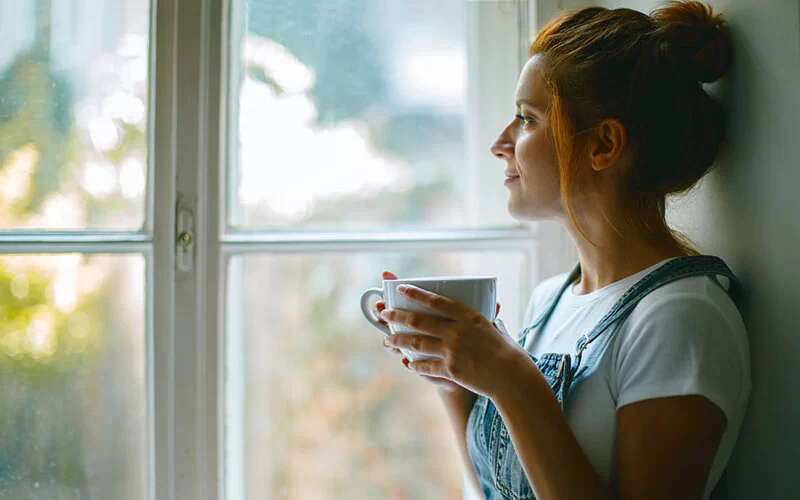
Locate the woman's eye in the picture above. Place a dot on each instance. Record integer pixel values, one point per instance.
(526, 120)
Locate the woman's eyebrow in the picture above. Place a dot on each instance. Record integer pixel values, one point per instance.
(525, 101)
(536, 109)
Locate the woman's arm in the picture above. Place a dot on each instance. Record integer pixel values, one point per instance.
(549, 452)
(664, 447)
(458, 403)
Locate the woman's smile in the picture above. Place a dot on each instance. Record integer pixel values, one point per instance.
(510, 178)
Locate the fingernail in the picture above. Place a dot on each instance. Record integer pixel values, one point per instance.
(387, 341)
(402, 289)
(384, 314)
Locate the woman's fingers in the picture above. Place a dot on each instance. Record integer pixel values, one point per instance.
(498, 323)
(422, 344)
(441, 383)
(389, 348)
(380, 306)
(418, 322)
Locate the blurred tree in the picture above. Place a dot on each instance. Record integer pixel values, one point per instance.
(35, 106)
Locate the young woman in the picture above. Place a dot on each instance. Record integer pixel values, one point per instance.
(631, 376)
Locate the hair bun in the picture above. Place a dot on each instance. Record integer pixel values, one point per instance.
(699, 33)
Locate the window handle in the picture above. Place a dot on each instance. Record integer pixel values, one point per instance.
(184, 243)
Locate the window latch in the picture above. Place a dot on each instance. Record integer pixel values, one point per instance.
(184, 243)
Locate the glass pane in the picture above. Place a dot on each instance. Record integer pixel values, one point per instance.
(73, 114)
(72, 377)
(353, 114)
(315, 407)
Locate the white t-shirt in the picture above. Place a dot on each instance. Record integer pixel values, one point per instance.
(685, 337)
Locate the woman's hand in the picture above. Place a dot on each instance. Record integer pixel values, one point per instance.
(472, 352)
(441, 383)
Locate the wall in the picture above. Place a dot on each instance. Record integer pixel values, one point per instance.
(746, 211)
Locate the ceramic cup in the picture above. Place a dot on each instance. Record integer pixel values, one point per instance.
(477, 292)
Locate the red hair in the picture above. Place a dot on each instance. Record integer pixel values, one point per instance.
(645, 71)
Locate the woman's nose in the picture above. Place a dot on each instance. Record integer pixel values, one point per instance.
(503, 147)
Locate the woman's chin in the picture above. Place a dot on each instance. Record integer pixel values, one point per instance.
(527, 213)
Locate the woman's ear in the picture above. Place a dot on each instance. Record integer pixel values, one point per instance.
(607, 143)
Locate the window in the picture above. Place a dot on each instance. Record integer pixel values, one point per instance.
(76, 252)
(193, 197)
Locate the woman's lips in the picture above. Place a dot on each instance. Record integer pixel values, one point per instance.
(510, 178)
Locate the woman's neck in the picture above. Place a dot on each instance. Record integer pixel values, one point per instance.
(611, 263)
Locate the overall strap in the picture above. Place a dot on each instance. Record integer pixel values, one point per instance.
(543, 317)
(681, 267)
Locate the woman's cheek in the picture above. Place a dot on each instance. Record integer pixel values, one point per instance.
(526, 152)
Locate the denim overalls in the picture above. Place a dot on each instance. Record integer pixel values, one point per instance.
(499, 471)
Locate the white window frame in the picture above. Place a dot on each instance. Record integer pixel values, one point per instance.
(187, 150)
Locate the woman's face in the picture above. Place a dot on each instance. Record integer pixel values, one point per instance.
(526, 145)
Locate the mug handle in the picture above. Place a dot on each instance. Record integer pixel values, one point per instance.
(367, 310)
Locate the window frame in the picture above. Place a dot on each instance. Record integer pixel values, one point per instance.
(188, 148)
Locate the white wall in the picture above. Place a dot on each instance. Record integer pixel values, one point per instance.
(747, 212)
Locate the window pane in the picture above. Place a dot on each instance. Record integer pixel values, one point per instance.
(72, 377)
(353, 115)
(315, 407)
(73, 114)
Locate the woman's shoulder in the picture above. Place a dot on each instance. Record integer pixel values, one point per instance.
(697, 292)
(697, 308)
(685, 334)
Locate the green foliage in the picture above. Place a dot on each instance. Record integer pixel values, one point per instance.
(38, 341)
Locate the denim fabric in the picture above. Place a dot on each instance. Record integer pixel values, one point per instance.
(499, 471)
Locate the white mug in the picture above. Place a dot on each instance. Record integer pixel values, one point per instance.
(477, 292)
